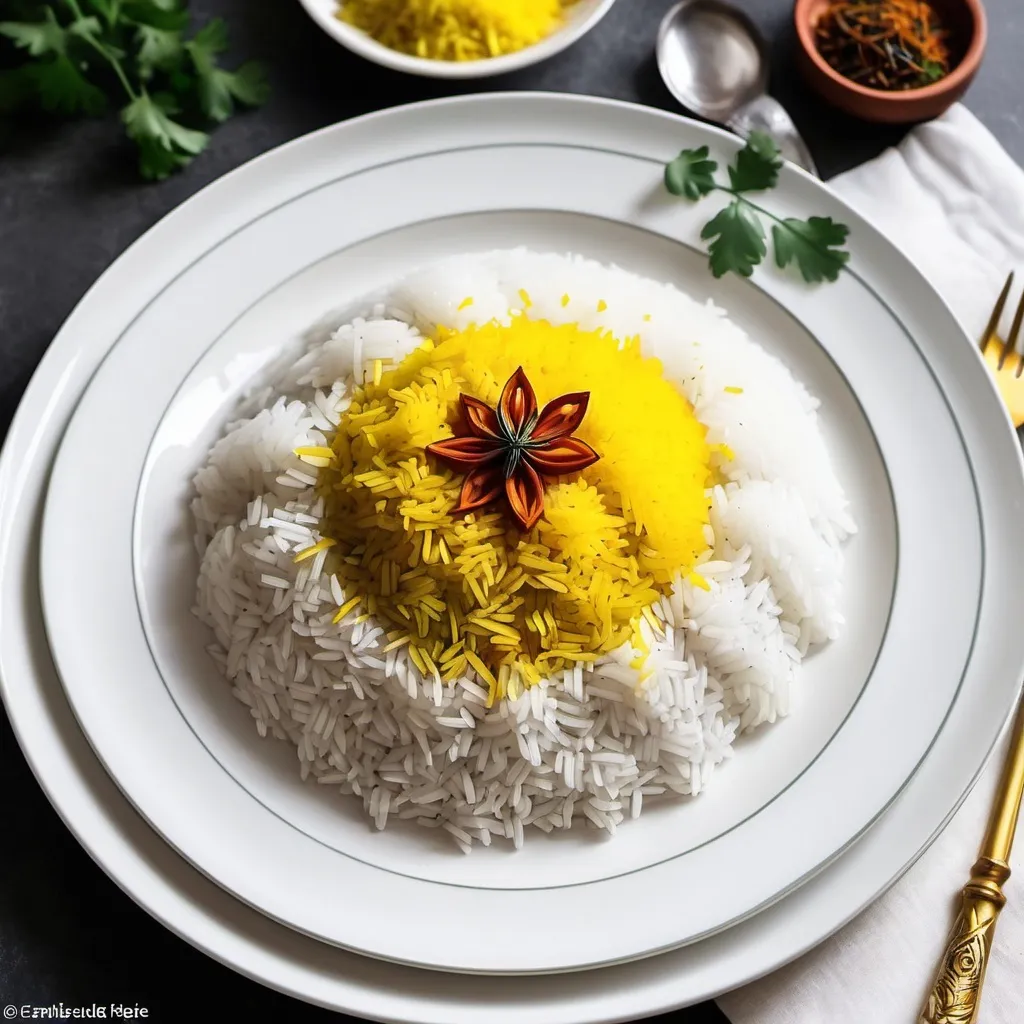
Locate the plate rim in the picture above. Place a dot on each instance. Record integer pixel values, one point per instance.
(588, 949)
(14, 433)
(187, 840)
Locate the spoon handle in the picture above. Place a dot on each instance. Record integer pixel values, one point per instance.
(767, 115)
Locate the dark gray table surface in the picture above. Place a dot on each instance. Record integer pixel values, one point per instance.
(70, 203)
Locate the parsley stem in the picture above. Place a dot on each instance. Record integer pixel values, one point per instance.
(743, 199)
(102, 50)
(771, 216)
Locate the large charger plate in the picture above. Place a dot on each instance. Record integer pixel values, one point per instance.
(909, 411)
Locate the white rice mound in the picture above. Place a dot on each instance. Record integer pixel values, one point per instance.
(590, 745)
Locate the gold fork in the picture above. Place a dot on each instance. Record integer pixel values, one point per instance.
(1002, 356)
(956, 993)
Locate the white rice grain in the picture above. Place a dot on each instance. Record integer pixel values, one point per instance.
(589, 746)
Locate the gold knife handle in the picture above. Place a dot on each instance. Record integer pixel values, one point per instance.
(956, 994)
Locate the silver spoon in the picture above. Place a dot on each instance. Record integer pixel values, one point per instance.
(715, 62)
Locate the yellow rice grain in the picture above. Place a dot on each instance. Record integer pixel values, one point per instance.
(313, 549)
(345, 609)
(462, 592)
(455, 30)
(698, 581)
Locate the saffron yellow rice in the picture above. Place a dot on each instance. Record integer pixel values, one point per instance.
(471, 592)
(455, 30)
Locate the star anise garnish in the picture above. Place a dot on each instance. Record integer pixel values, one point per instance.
(509, 449)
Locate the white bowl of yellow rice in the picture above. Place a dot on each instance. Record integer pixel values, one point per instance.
(456, 38)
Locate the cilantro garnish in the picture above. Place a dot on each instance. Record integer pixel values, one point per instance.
(813, 244)
(736, 240)
(76, 57)
(219, 89)
(691, 174)
(757, 165)
(736, 235)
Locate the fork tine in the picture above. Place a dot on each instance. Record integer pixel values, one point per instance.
(1012, 337)
(993, 321)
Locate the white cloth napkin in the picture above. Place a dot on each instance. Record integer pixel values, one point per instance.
(952, 199)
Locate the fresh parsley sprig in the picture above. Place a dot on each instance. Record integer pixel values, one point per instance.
(73, 57)
(736, 234)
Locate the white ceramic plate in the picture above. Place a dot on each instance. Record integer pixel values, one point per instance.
(56, 751)
(208, 917)
(580, 19)
(399, 189)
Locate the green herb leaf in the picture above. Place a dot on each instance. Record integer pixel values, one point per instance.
(813, 244)
(212, 38)
(736, 240)
(736, 234)
(249, 84)
(167, 6)
(164, 144)
(107, 9)
(691, 174)
(140, 48)
(63, 89)
(38, 38)
(85, 28)
(219, 89)
(757, 165)
(158, 50)
(169, 16)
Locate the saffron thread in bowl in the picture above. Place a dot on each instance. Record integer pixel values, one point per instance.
(891, 45)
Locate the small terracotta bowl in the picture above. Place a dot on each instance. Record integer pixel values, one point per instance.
(965, 20)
